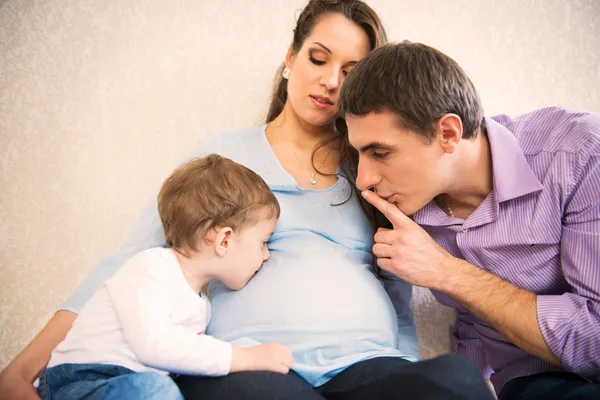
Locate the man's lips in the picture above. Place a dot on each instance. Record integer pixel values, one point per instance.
(389, 198)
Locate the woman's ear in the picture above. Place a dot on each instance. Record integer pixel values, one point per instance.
(289, 57)
(449, 132)
(222, 240)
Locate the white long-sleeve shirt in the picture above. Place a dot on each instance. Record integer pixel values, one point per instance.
(146, 318)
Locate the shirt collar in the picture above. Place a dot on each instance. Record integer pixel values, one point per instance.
(511, 173)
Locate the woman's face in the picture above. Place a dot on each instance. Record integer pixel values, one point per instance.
(318, 70)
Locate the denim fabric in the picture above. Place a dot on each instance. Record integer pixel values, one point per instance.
(103, 382)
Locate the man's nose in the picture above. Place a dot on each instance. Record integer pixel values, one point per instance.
(367, 176)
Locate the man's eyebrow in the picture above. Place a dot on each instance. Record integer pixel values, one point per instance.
(375, 145)
(324, 47)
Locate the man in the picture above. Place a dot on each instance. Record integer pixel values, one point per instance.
(505, 217)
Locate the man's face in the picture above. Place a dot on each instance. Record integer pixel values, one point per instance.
(398, 164)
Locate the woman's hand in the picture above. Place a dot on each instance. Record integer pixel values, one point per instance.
(491, 386)
(13, 385)
(16, 381)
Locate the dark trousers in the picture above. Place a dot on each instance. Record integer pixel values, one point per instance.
(449, 377)
(550, 386)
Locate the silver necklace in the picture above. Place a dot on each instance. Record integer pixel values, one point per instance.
(449, 209)
(313, 175)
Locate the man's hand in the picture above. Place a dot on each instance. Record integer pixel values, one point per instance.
(407, 251)
(410, 253)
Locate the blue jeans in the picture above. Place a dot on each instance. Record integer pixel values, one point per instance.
(104, 381)
(550, 386)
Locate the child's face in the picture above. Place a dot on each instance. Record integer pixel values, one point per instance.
(246, 254)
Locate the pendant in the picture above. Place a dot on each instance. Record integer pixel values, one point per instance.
(314, 179)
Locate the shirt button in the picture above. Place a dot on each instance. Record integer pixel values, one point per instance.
(464, 230)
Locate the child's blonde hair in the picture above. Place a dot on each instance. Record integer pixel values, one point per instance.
(209, 192)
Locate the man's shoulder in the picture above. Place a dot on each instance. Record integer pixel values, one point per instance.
(554, 129)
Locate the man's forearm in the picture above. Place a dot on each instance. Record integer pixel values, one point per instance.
(505, 307)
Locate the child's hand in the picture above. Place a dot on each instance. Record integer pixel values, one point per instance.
(263, 357)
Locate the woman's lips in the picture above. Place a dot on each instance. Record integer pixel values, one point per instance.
(322, 103)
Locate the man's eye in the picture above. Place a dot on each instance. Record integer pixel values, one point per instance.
(381, 156)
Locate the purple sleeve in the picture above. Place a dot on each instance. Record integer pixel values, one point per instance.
(570, 323)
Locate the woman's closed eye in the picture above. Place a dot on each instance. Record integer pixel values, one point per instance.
(317, 56)
(316, 61)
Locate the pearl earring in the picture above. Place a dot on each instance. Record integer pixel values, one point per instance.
(286, 73)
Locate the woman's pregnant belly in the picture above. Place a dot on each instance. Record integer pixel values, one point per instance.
(324, 304)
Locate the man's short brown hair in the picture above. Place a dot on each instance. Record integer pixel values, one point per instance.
(209, 192)
(417, 83)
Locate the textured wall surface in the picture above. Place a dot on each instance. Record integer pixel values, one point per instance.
(100, 100)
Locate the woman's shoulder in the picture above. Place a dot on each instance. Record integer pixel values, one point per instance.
(229, 142)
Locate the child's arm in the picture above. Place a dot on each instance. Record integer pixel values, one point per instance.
(141, 302)
(263, 357)
(142, 305)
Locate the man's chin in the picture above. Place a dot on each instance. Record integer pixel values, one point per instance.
(407, 209)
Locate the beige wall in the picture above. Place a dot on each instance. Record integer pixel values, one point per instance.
(99, 100)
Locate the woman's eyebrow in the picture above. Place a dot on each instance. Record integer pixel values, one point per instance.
(349, 63)
(324, 47)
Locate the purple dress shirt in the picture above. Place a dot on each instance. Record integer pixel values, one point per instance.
(539, 228)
